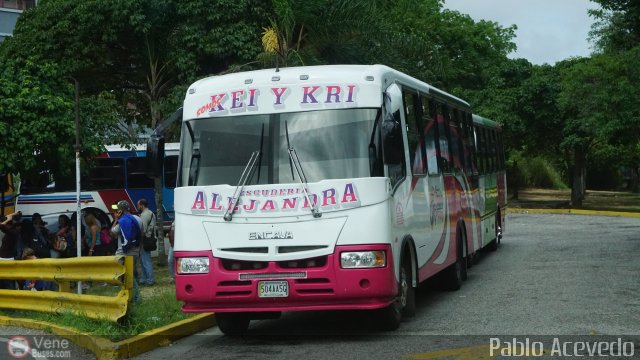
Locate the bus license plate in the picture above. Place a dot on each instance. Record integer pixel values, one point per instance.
(269, 289)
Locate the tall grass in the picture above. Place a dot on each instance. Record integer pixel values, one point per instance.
(533, 172)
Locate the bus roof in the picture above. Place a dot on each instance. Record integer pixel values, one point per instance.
(252, 92)
(477, 119)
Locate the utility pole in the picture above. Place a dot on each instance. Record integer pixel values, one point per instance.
(78, 203)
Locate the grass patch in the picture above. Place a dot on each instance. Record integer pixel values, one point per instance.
(561, 199)
(158, 307)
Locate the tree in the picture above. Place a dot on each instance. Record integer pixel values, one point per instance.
(133, 60)
(617, 26)
(599, 104)
(317, 32)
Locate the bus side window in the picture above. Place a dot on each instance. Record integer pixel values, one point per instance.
(443, 140)
(484, 155)
(430, 136)
(416, 161)
(137, 175)
(494, 151)
(392, 143)
(457, 154)
(471, 147)
(170, 171)
(4, 183)
(107, 173)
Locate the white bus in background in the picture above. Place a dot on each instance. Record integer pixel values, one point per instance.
(118, 173)
(329, 188)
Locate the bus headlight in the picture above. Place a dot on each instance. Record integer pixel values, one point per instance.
(363, 259)
(193, 265)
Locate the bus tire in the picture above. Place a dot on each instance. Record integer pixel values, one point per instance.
(456, 273)
(493, 246)
(233, 324)
(405, 303)
(406, 286)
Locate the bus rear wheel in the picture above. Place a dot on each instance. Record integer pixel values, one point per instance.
(233, 324)
(455, 274)
(493, 245)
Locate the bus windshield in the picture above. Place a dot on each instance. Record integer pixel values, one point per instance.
(331, 144)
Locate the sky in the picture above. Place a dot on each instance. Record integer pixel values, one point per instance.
(548, 30)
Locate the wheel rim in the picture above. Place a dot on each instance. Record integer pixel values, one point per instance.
(404, 288)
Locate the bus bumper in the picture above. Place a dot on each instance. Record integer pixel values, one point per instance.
(319, 284)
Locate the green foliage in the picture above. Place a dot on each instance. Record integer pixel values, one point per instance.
(320, 32)
(617, 26)
(537, 172)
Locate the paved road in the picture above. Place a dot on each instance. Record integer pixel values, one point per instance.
(552, 275)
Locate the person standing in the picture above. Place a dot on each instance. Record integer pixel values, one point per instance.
(10, 226)
(92, 236)
(39, 241)
(129, 233)
(149, 225)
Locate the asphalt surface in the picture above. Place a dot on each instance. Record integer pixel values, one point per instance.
(563, 278)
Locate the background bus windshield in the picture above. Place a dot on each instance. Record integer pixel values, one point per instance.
(331, 144)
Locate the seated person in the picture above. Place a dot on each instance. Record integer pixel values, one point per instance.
(35, 285)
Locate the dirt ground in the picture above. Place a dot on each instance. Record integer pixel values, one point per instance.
(560, 199)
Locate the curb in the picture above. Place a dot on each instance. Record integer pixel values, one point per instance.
(105, 349)
(573, 212)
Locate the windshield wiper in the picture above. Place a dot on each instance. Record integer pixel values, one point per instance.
(246, 175)
(295, 162)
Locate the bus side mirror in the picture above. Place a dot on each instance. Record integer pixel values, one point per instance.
(155, 156)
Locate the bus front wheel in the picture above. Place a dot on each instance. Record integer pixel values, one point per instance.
(233, 324)
(404, 304)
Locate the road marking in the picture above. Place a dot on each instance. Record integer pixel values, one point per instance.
(479, 352)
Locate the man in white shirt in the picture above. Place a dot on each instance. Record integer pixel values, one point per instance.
(149, 227)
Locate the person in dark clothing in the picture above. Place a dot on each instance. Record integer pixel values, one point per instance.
(35, 285)
(10, 226)
(39, 242)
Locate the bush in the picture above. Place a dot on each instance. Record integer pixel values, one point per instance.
(532, 172)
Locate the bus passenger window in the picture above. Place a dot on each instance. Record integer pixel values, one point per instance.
(414, 138)
(107, 173)
(457, 156)
(443, 141)
(136, 173)
(428, 118)
(392, 143)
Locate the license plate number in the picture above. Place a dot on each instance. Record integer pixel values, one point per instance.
(269, 289)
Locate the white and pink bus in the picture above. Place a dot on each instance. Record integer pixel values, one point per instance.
(329, 188)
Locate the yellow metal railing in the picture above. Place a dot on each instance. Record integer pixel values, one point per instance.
(116, 270)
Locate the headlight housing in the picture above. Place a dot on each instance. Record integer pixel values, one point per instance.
(363, 259)
(193, 265)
